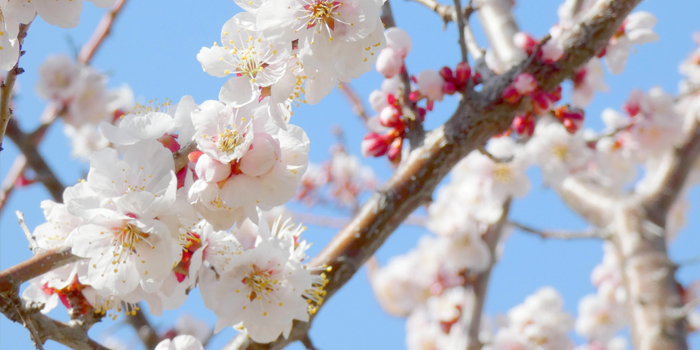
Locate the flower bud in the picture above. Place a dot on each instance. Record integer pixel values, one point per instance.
(264, 152)
(169, 141)
(374, 145)
(524, 42)
(193, 156)
(525, 83)
(462, 73)
(524, 124)
(395, 149)
(446, 73)
(571, 119)
(378, 100)
(391, 117)
(449, 88)
(211, 170)
(430, 84)
(398, 40)
(389, 62)
(511, 94)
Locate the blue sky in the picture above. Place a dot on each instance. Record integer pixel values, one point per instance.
(153, 49)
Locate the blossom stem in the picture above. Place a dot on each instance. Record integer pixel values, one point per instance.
(7, 87)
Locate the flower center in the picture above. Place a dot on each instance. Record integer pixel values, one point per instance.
(561, 152)
(502, 173)
(321, 12)
(128, 236)
(228, 140)
(260, 282)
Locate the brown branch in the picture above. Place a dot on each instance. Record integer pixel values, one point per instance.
(36, 161)
(446, 12)
(460, 28)
(43, 328)
(7, 86)
(143, 328)
(474, 122)
(104, 28)
(481, 283)
(591, 233)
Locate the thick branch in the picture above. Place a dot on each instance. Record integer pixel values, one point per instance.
(474, 122)
(675, 169)
(43, 327)
(498, 23)
(7, 87)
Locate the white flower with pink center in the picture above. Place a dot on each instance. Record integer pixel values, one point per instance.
(636, 30)
(249, 162)
(265, 289)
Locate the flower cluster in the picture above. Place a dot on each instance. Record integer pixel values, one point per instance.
(181, 198)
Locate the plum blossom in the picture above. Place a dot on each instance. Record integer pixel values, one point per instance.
(254, 63)
(539, 323)
(636, 30)
(181, 342)
(599, 318)
(337, 41)
(251, 163)
(123, 203)
(430, 85)
(267, 287)
(558, 153)
(587, 81)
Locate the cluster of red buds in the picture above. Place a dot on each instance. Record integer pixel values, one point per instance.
(542, 102)
(459, 79)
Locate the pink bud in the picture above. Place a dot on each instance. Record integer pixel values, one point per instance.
(414, 96)
(449, 88)
(525, 83)
(398, 40)
(378, 100)
(552, 51)
(421, 113)
(446, 73)
(476, 78)
(264, 152)
(395, 148)
(524, 124)
(524, 42)
(390, 117)
(541, 103)
(571, 119)
(389, 62)
(462, 73)
(192, 157)
(211, 170)
(374, 145)
(430, 84)
(511, 94)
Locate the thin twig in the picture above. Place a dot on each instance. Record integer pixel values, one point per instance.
(357, 106)
(591, 233)
(7, 86)
(33, 245)
(460, 28)
(485, 152)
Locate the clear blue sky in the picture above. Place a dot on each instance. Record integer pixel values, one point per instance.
(153, 49)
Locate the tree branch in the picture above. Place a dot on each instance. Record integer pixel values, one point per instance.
(474, 122)
(36, 161)
(460, 28)
(7, 87)
(500, 27)
(591, 233)
(481, 283)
